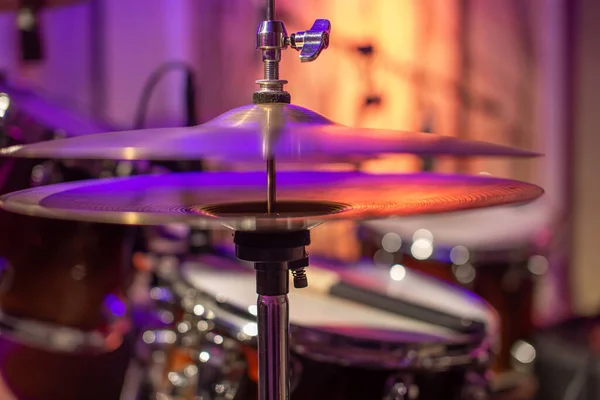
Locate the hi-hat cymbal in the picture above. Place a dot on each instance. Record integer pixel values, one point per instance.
(14, 5)
(237, 200)
(251, 133)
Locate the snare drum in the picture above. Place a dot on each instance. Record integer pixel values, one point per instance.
(343, 346)
(494, 252)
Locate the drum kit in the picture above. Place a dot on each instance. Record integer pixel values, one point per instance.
(343, 338)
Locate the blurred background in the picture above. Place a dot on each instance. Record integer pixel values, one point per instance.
(516, 72)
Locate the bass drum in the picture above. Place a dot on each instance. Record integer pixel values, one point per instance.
(354, 334)
(496, 253)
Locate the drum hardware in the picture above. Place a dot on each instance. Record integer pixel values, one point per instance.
(219, 359)
(55, 338)
(41, 117)
(28, 117)
(402, 388)
(566, 359)
(477, 392)
(271, 255)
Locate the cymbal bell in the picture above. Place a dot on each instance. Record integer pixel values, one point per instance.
(252, 133)
(14, 5)
(237, 200)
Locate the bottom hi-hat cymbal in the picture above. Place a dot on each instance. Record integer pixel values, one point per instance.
(237, 200)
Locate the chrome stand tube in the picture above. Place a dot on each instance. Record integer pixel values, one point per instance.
(272, 286)
(273, 347)
(274, 254)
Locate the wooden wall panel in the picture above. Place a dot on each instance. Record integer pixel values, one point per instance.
(412, 63)
(586, 185)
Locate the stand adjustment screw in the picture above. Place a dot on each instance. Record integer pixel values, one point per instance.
(300, 278)
(298, 269)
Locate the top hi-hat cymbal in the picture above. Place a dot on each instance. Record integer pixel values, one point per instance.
(14, 5)
(236, 200)
(253, 133)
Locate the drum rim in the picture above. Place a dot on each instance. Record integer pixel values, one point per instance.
(338, 348)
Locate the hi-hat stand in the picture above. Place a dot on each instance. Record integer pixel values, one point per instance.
(275, 254)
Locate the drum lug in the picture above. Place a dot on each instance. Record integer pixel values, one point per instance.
(159, 339)
(162, 297)
(401, 388)
(476, 393)
(180, 384)
(477, 387)
(295, 373)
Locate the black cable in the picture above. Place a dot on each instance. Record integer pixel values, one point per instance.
(191, 119)
(190, 100)
(97, 54)
(154, 79)
(190, 108)
(30, 31)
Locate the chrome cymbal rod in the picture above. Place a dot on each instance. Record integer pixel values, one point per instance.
(273, 341)
(270, 10)
(271, 185)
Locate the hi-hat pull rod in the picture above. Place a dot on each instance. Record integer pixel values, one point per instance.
(270, 10)
(271, 171)
(271, 185)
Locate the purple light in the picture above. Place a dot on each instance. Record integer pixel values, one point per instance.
(116, 306)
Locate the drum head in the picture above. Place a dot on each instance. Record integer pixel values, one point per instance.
(494, 227)
(490, 230)
(407, 285)
(326, 326)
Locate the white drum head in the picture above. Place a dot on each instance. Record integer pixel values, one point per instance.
(496, 228)
(411, 286)
(315, 308)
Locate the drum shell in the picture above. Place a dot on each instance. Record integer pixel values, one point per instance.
(333, 382)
